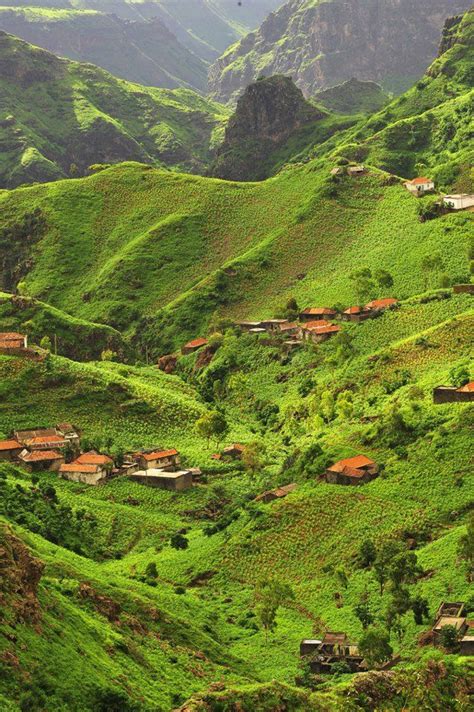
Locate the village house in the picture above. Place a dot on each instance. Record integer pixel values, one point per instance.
(9, 450)
(459, 201)
(11, 341)
(463, 289)
(164, 479)
(380, 305)
(352, 471)
(449, 614)
(87, 474)
(193, 346)
(46, 442)
(451, 394)
(248, 325)
(357, 314)
(234, 451)
(71, 434)
(41, 460)
(321, 332)
(420, 186)
(94, 458)
(277, 493)
(356, 170)
(289, 329)
(466, 644)
(314, 313)
(333, 648)
(153, 459)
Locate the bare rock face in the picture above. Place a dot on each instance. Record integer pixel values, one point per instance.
(20, 574)
(268, 113)
(322, 44)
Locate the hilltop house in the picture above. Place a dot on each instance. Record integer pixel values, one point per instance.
(379, 305)
(357, 314)
(318, 332)
(11, 341)
(87, 474)
(234, 451)
(333, 648)
(153, 459)
(451, 394)
(459, 201)
(164, 479)
(312, 313)
(10, 449)
(356, 170)
(40, 460)
(193, 346)
(420, 186)
(352, 471)
(277, 493)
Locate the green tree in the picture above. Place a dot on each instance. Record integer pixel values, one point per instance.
(367, 553)
(344, 405)
(270, 595)
(252, 457)
(382, 562)
(459, 375)
(326, 406)
(292, 309)
(212, 424)
(363, 613)
(384, 278)
(46, 344)
(179, 541)
(403, 568)
(448, 637)
(375, 646)
(420, 608)
(466, 548)
(151, 572)
(364, 284)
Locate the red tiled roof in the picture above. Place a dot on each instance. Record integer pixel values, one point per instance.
(468, 388)
(419, 181)
(315, 323)
(11, 336)
(195, 343)
(93, 458)
(11, 344)
(290, 325)
(329, 329)
(334, 638)
(157, 455)
(352, 472)
(352, 462)
(355, 310)
(39, 456)
(216, 456)
(46, 439)
(9, 445)
(315, 311)
(381, 303)
(77, 467)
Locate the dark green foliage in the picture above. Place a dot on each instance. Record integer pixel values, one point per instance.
(375, 646)
(448, 638)
(179, 541)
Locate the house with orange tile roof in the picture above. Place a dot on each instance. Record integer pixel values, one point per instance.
(46, 442)
(41, 460)
(451, 394)
(87, 474)
(277, 493)
(10, 449)
(193, 346)
(154, 459)
(94, 458)
(313, 313)
(420, 186)
(319, 331)
(380, 305)
(12, 341)
(357, 314)
(352, 471)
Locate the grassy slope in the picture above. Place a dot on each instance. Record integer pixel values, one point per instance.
(55, 113)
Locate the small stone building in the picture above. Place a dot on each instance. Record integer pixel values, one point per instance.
(333, 648)
(352, 471)
(94, 458)
(318, 334)
(12, 342)
(314, 313)
(9, 450)
(41, 460)
(420, 186)
(234, 451)
(459, 201)
(163, 479)
(463, 289)
(154, 459)
(451, 394)
(277, 493)
(357, 314)
(87, 474)
(380, 305)
(355, 171)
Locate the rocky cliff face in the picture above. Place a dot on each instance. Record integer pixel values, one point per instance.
(20, 574)
(269, 112)
(325, 43)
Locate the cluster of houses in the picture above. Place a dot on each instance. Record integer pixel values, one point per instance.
(335, 647)
(451, 394)
(58, 450)
(423, 185)
(453, 614)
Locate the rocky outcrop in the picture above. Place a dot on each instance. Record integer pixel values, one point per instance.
(20, 574)
(325, 43)
(269, 112)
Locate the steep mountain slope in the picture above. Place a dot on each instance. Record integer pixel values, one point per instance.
(321, 44)
(140, 51)
(431, 124)
(353, 97)
(205, 27)
(57, 117)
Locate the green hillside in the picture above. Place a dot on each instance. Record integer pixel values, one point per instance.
(125, 597)
(58, 117)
